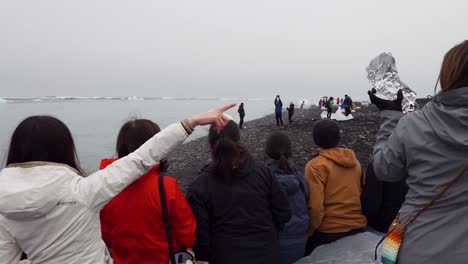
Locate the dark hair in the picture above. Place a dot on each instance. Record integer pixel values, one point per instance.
(135, 133)
(226, 150)
(278, 147)
(454, 70)
(326, 134)
(43, 138)
(331, 98)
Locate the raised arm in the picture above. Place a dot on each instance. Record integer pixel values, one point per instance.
(98, 188)
(389, 161)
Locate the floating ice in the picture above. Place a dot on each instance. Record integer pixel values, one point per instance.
(383, 76)
(2, 101)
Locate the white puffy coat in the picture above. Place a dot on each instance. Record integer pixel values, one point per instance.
(51, 213)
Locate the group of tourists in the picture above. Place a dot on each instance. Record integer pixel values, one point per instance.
(278, 112)
(239, 209)
(329, 103)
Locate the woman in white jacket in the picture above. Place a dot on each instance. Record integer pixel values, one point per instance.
(48, 210)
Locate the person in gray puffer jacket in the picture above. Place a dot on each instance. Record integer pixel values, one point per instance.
(429, 148)
(293, 237)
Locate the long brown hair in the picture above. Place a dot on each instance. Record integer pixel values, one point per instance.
(226, 150)
(454, 70)
(43, 138)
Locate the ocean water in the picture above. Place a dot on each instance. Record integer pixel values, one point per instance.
(95, 122)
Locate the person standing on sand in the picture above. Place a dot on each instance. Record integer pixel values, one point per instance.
(49, 210)
(329, 105)
(135, 216)
(302, 105)
(290, 110)
(241, 112)
(279, 111)
(238, 204)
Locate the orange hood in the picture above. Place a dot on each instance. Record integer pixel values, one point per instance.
(341, 156)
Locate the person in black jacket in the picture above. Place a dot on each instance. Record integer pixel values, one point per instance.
(381, 201)
(241, 112)
(238, 204)
(290, 110)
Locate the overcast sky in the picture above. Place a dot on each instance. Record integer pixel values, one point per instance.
(217, 48)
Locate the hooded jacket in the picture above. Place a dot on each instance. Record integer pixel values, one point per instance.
(132, 222)
(429, 148)
(51, 212)
(293, 237)
(238, 221)
(334, 179)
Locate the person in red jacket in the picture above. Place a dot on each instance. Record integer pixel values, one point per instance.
(132, 223)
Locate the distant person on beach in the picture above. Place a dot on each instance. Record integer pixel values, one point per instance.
(347, 104)
(293, 237)
(49, 210)
(302, 105)
(334, 179)
(338, 101)
(381, 201)
(238, 204)
(290, 110)
(329, 105)
(428, 149)
(279, 111)
(134, 216)
(241, 112)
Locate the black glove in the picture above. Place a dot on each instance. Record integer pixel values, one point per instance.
(383, 104)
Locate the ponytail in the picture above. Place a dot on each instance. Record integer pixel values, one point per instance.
(226, 150)
(225, 158)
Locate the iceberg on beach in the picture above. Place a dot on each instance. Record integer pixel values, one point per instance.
(3, 101)
(337, 115)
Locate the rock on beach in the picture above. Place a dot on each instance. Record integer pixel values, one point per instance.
(358, 134)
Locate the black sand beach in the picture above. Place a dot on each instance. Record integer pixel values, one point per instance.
(358, 134)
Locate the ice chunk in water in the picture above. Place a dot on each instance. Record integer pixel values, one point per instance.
(383, 76)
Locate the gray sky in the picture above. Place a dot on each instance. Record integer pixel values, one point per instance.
(242, 48)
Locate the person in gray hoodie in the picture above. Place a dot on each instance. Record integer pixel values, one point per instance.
(293, 237)
(429, 148)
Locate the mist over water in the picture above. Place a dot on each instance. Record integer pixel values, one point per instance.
(95, 123)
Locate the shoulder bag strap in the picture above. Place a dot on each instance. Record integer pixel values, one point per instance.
(165, 214)
(438, 195)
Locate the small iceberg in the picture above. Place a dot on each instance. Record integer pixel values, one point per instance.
(337, 115)
(3, 101)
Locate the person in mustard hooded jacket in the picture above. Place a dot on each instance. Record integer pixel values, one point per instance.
(334, 179)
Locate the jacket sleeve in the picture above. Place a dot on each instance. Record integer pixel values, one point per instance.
(389, 159)
(183, 222)
(279, 203)
(98, 188)
(10, 252)
(316, 197)
(371, 198)
(201, 210)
